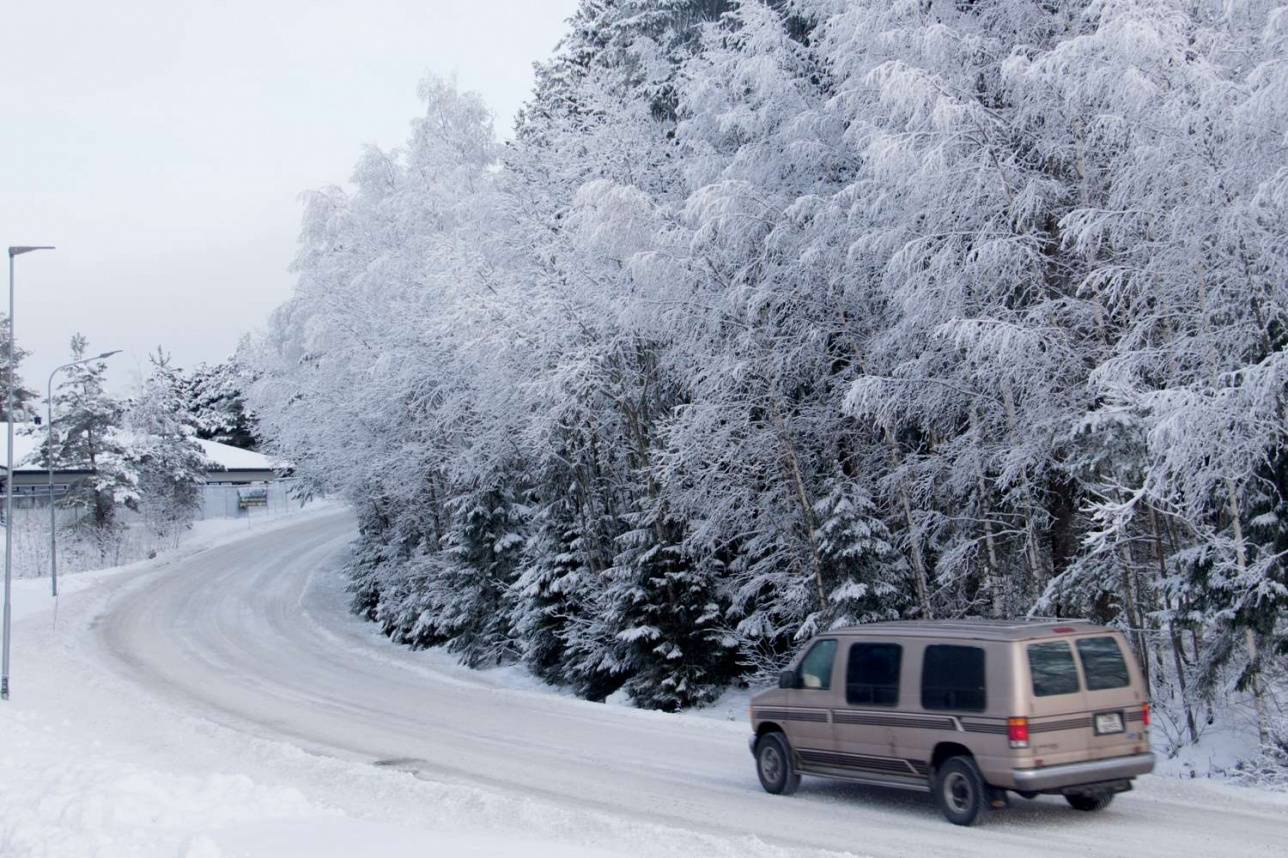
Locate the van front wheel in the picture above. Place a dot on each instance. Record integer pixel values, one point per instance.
(960, 791)
(774, 765)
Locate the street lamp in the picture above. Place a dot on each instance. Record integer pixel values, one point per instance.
(49, 460)
(8, 483)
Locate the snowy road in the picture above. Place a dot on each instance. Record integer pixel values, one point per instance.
(255, 636)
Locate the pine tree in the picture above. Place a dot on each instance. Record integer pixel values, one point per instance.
(462, 592)
(88, 436)
(549, 594)
(23, 397)
(171, 464)
(864, 575)
(215, 397)
(670, 637)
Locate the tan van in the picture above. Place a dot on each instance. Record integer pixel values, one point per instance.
(964, 709)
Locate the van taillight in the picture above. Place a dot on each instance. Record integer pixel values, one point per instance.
(1017, 730)
(1144, 715)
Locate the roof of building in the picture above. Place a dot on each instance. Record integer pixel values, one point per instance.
(27, 438)
(976, 629)
(235, 458)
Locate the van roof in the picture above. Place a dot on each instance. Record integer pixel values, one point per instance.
(976, 628)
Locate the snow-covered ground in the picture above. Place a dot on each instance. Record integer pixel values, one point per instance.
(221, 702)
(93, 765)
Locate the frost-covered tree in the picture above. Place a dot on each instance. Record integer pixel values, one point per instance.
(89, 437)
(779, 314)
(24, 398)
(462, 589)
(215, 397)
(551, 591)
(170, 464)
(665, 609)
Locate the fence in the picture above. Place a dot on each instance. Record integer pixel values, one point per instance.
(218, 500)
(228, 500)
(139, 534)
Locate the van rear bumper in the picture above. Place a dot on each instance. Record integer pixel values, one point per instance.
(1076, 774)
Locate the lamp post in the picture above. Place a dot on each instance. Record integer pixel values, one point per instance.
(49, 461)
(8, 483)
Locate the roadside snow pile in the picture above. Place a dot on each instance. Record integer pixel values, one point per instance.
(1265, 770)
(62, 797)
(1226, 749)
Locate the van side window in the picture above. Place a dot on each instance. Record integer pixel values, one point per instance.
(1102, 662)
(816, 667)
(872, 675)
(952, 678)
(1052, 669)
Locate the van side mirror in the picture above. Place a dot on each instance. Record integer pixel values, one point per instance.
(787, 679)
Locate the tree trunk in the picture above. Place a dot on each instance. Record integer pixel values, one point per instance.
(1172, 634)
(1037, 576)
(1132, 607)
(993, 572)
(1249, 635)
(802, 497)
(920, 580)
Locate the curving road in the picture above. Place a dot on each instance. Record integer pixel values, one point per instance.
(256, 636)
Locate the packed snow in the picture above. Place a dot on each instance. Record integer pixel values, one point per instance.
(94, 767)
(220, 701)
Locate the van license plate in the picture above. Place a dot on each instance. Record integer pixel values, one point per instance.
(1109, 722)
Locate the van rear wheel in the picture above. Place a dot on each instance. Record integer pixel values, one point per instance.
(1089, 801)
(960, 791)
(774, 765)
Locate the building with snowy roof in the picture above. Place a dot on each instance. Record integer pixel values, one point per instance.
(227, 465)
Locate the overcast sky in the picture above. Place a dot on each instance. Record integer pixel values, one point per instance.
(162, 146)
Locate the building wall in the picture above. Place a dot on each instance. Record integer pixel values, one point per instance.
(228, 500)
(223, 496)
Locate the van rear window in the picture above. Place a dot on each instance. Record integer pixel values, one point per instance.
(952, 678)
(1103, 664)
(1052, 668)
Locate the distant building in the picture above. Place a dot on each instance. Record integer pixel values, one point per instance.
(229, 466)
(237, 466)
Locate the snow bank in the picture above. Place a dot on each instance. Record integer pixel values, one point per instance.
(66, 796)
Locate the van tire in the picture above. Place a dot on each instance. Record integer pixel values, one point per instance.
(1088, 802)
(774, 765)
(960, 790)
